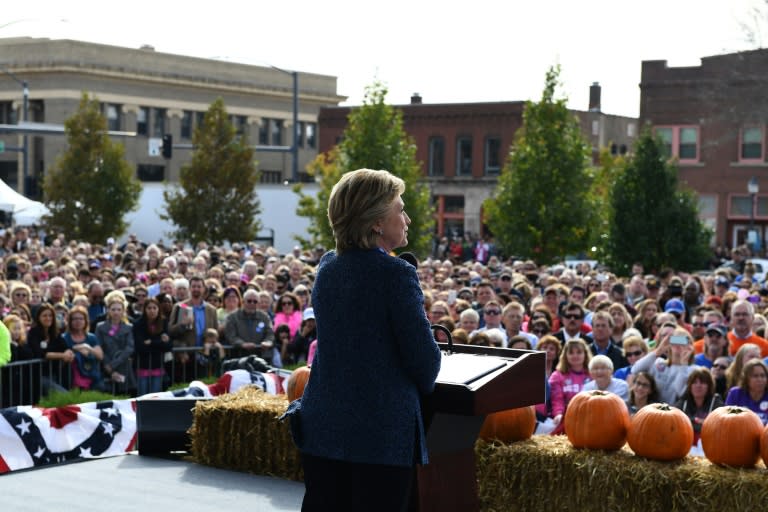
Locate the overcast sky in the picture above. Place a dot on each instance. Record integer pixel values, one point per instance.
(448, 51)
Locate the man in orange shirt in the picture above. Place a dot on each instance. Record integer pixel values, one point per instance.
(714, 316)
(742, 314)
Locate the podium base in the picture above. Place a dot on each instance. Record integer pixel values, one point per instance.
(448, 483)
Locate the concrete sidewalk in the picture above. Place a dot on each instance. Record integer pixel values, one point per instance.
(132, 482)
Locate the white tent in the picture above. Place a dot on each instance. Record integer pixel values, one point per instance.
(25, 211)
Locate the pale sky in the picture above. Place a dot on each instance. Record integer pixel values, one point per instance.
(448, 51)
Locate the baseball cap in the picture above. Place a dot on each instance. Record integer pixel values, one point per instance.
(718, 328)
(722, 281)
(652, 283)
(309, 314)
(674, 306)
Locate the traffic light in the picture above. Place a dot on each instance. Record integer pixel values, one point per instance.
(167, 146)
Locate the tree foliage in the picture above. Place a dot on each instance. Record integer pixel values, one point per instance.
(654, 220)
(216, 199)
(374, 139)
(91, 187)
(541, 208)
(602, 178)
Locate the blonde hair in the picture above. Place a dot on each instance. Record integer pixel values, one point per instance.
(11, 320)
(357, 202)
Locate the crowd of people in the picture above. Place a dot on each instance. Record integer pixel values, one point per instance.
(693, 340)
(136, 317)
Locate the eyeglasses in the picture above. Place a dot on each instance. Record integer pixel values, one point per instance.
(573, 317)
(713, 334)
(252, 301)
(506, 278)
(287, 303)
(642, 384)
(721, 366)
(539, 332)
(634, 354)
(301, 292)
(700, 324)
(492, 312)
(438, 312)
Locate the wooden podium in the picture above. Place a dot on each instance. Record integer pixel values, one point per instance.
(473, 382)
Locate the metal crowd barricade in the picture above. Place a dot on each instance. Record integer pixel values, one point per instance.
(25, 382)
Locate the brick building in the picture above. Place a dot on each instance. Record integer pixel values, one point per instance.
(463, 147)
(153, 94)
(713, 120)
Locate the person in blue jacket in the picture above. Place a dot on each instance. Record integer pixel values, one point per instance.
(358, 425)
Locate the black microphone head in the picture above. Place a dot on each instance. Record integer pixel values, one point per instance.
(410, 258)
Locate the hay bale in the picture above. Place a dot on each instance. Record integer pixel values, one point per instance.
(547, 470)
(240, 431)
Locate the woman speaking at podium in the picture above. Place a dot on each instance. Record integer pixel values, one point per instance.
(358, 426)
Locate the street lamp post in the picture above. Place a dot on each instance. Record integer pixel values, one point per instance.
(294, 149)
(753, 188)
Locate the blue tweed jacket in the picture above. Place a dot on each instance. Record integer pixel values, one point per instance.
(375, 356)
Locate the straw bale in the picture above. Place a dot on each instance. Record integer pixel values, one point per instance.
(240, 431)
(547, 470)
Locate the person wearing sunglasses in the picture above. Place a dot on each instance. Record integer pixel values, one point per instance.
(492, 315)
(633, 348)
(715, 345)
(572, 319)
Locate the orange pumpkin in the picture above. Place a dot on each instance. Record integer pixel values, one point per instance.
(296, 383)
(730, 436)
(510, 425)
(598, 420)
(660, 432)
(764, 445)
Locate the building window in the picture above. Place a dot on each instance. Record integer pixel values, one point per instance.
(454, 204)
(147, 172)
(7, 114)
(311, 135)
(680, 141)
(751, 143)
(199, 119)
(276, 132)
(186, 124)
(142, 121)
(464, 156)
(264, 132)
(270, 177)
(492, 156)
(112, 113)
(240, 124)
(158, 124)
(741, 206)
(436, 156)
(300, 134)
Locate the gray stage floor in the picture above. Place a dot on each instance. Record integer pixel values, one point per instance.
(133, 482)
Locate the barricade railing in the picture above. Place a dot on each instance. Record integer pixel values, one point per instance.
(25, 382)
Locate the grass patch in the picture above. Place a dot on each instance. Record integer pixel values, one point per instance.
(77, 396)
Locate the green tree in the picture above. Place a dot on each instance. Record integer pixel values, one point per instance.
(374, 139)
(216, 198)
(602, 178)
(541, 208)
(91, 187)
(654, 220)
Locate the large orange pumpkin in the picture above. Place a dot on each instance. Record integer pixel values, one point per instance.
(598, 420)
(660, 432)
(296, 383)
(730, 436)
(764, 445)
(510, 425)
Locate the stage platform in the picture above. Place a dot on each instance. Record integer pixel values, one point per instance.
(132, 482)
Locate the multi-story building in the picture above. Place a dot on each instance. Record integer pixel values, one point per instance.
(713, 118)
(463, 147)
(150, 94)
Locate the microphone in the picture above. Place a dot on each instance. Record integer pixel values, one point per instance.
(410, 258)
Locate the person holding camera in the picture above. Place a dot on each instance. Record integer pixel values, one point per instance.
(670, 363)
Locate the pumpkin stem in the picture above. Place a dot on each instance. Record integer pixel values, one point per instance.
(663, 407)
(735, 409)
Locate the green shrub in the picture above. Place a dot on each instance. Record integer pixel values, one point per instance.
(77, 396)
